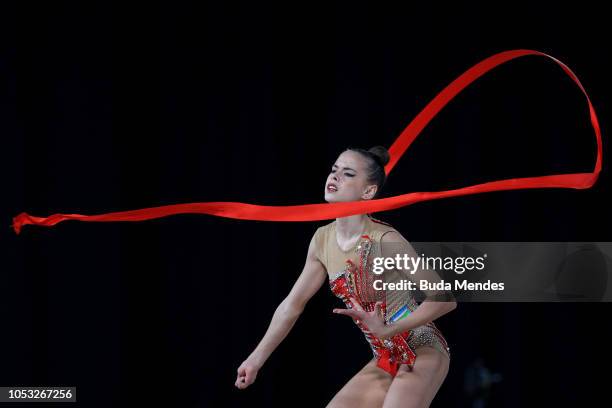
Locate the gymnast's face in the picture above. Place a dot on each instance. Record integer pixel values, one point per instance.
(347, 180)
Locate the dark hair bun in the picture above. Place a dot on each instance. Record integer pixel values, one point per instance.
(381, 154)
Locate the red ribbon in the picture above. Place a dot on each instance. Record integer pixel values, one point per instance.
(325, 211)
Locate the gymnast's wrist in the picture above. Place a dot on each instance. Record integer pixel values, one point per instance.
(392, 329)
(400, 326)
(257, 360)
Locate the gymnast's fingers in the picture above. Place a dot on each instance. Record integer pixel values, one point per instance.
(356, 304)
(246, 376)
(348, 312)
(378, 309)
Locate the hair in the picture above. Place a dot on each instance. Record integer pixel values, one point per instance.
(378, 157)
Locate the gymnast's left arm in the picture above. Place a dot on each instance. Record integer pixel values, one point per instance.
(437, 302)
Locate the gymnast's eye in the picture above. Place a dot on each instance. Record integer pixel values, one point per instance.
(346, 174)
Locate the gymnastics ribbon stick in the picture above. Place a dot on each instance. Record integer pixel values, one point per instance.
(325, 211)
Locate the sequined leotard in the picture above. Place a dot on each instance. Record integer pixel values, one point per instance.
(350, 275)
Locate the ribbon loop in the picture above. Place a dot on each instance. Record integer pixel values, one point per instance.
(325, 211)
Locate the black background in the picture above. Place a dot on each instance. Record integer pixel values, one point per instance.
(109, 107)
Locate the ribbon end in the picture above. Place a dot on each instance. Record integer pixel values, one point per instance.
(19, 221)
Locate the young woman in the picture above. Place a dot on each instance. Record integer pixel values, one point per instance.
(411, 357)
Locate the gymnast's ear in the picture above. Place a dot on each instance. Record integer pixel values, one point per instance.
(369, 192)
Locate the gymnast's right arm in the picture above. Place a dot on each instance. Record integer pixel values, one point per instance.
(309, 282)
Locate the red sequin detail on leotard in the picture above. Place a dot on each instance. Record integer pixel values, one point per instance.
(356, 282)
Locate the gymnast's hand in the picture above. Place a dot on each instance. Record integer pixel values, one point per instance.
(246, 374)
(374, 320)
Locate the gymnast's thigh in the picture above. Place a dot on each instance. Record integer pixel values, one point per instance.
(367, 389)
(417, 388)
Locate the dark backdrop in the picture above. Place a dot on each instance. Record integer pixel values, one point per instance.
(109, 107)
